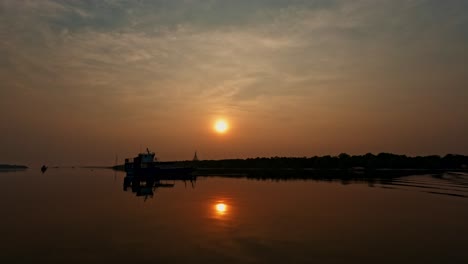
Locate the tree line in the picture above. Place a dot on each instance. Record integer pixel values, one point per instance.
(342, 161)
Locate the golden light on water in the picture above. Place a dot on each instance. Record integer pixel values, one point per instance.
(221, 208)
(221, 126)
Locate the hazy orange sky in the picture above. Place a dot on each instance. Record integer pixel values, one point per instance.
(84, 81)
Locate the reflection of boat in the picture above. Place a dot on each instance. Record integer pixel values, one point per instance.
(43, 168)
(145, 164)
(147, 184)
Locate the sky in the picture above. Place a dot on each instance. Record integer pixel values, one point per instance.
(84, 82)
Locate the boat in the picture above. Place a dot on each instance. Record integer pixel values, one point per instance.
(43, 168)
(146, 164)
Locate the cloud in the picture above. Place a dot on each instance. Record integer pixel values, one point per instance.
(107, 58)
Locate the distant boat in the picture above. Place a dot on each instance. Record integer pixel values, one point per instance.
(43, 168)
(145, 164)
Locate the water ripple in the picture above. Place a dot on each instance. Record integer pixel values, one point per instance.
(451, 184)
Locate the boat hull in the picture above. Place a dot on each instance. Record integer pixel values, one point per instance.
(171, 173)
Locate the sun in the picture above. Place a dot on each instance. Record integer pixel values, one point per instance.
(221, 126)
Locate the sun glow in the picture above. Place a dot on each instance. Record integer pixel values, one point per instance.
(221, 208)
(221, 126)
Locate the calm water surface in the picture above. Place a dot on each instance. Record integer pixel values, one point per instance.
(85, 216)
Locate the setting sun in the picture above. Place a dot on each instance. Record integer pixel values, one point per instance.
(221, 126)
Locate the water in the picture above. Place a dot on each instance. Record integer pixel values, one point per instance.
(85, 216)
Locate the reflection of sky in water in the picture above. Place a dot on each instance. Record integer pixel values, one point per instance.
(81, 214)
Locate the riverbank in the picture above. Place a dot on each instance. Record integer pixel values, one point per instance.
(12, 167)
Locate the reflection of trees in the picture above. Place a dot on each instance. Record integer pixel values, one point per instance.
(342, 175)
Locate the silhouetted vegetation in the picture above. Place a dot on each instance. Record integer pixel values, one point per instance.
(343, 161)
(12, 167)
(344, 167)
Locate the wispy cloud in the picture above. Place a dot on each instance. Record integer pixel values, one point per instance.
(106, 57)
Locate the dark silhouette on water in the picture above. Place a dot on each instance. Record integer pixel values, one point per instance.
(8, 167)
(147, 163)
(368, 161)
(145, 185)
(343, 166)
(43, 168)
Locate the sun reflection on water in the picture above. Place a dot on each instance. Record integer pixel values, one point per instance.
(221, 208)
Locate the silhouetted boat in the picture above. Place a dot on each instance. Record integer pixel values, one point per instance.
(43, 168)
(145, 164)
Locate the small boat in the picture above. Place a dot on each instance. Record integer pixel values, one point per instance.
(43, 168)
(146, 164)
